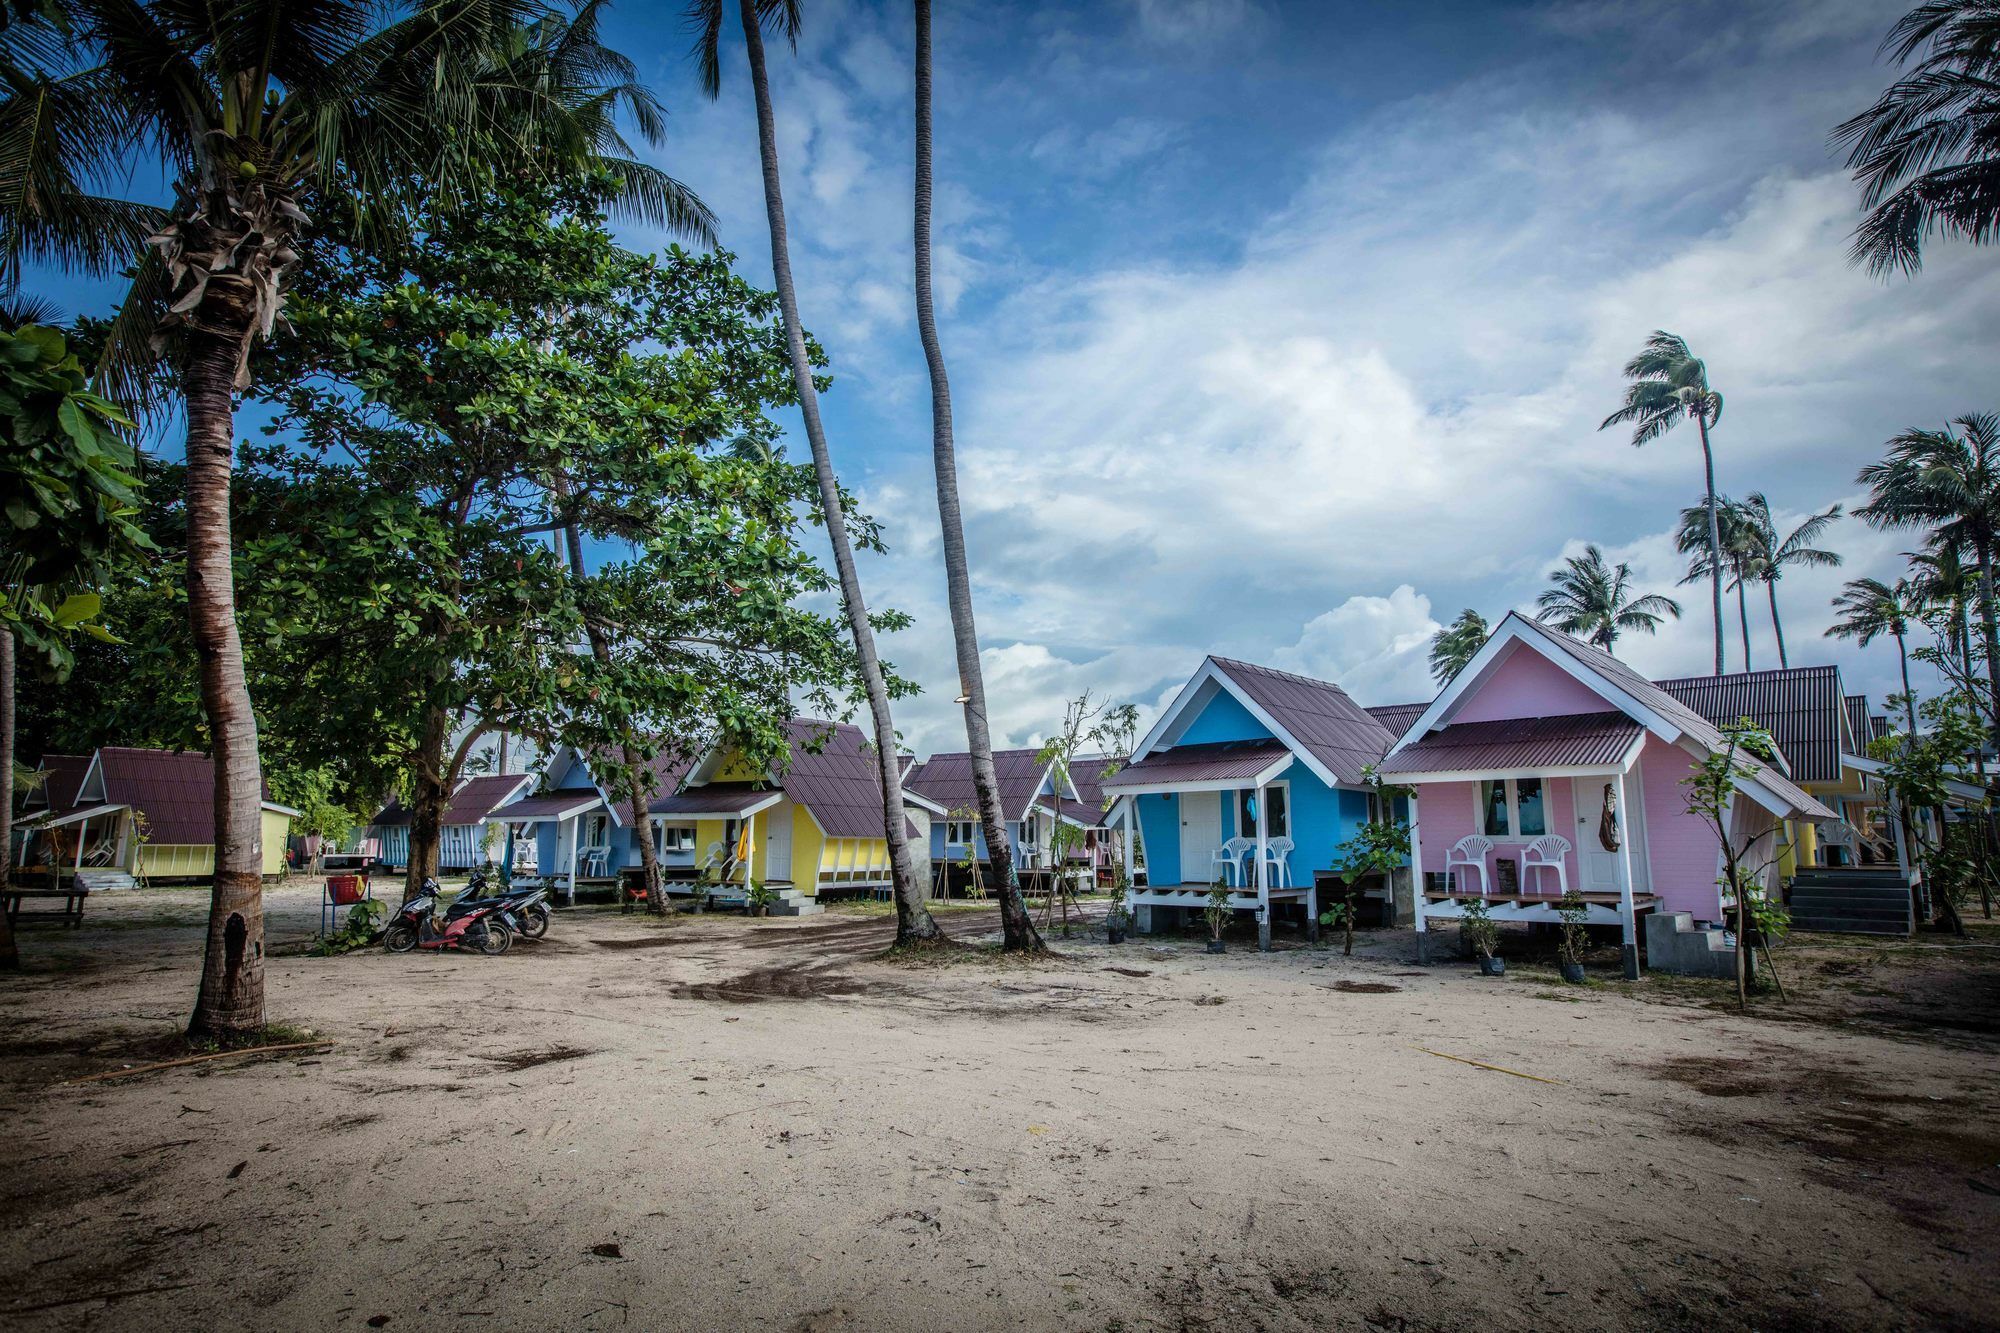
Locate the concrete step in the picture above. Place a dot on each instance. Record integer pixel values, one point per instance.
(103, 881)
(1839, 925)
(1853, 906)
(1675, 944)
(795, 905)
(1857, 881)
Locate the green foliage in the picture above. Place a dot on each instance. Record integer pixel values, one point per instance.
(70, 481)
(312, 793)
(1456, 644)
(1709, 791)
(1380, 846)
(1575, 915)
(1218, 910)
(760, 896)
(1594, 601)
(364, 919)
(1478, 929)
(1918, 773)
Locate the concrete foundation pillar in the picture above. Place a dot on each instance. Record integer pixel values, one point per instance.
(1142, 920)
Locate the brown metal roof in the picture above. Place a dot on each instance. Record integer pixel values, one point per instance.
(1574, 740)
(175, 790)
(1801, 707)
(947, 779)
(1864, 726)
(1210, 761)
(1396, 718)
(1086, 774)
(62, 779)
(832, 773)
(548, 804)
(1086, 813)
(1317, 714)
(1673, 710)
(715, 799)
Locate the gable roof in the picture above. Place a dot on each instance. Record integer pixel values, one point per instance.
(1802, 708)
(1316, 715)
(62, 781)
(1618, 684)
(174, 790)
(1227, 763)
(839, 785)
(1396, 718)
(1086, 775)
(1864, 726)
(947, 779)
(476, 798)
(1566, 740)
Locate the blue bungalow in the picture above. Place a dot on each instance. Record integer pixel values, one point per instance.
(1253, 777)
(1033, 794)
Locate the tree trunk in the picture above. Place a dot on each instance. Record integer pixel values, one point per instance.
(430, 793)
(10, 957)
(1003, 880)
(1743, 620)
(1714, 536)
(1777, 626)
(1909, 700)
(231, 1000)
(1983, 551)
(913, 918)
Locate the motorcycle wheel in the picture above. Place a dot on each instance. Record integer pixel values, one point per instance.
(536, 923)
(399, 938)
(496, 940)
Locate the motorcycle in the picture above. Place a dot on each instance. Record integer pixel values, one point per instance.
(526, 910)
(477, 926)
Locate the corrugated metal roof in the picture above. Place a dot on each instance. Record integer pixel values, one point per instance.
(175, 790)
(716, 799)
(947, 779)
(1396, 718)
(1863, 725)
(1086, 774)
(548, 805)
(1801, 707)
(62, 779)
(478, 797)
(839, 782)
(1086, 813)
(1573, 740)
(1317, 714)
(1673, 710)
(1210, 761)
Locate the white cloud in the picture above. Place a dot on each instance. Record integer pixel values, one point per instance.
(1378, 648)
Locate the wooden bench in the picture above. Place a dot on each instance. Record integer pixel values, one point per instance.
(69, 914)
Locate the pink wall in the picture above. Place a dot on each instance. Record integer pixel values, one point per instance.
(1448, 811)
(1526, 684)
(1680, 848)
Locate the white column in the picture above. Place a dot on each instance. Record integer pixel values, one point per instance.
(83, 832)
(1263, 874)
(749, 845)
(1131, 840)
(1628, 915)
(1417, 873)
(575, 825)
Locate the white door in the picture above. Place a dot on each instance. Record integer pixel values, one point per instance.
(1201, 834)
(777, 822)
(1597, 867)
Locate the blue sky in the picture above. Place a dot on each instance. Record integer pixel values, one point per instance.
(1283, 331)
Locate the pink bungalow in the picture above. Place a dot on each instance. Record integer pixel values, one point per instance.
(1548, 764)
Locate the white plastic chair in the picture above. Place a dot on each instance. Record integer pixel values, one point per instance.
(1230, 858)
(593, 862)
(1838, 833)
(1545, 853)
(1469, 853)
(1278, 852)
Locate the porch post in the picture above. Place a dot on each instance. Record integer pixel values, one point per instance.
(1417, 883)
(83, 834)
(749, 845)
(1263, 878)
(1628, 915)
(575, 823)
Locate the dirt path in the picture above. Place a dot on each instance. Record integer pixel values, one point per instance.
(727, 1124)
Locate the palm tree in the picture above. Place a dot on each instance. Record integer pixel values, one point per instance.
(1691, 540)
(1593, 601)
(1948, 587)
(913, 918)
(1927, 153)
(1017, 926)
(1456, 644)
(1669, 384)
(1949, 485)
(1769, 556)
(255, 105)
(1870, 608)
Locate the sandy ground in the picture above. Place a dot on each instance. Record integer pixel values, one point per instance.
(720, 1124)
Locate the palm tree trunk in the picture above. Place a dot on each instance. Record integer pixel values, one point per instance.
(1743, 620)
(1714, 537)
(1982, 549)
(1909, 700)
(10, 957)
(650, 878)
(913, 918)
(1003, 880)
(1777, 626)
(231, 1000)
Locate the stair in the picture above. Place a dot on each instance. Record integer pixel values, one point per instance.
(1851, 902)
(104, 881)
(1675, 944)
(790, 902)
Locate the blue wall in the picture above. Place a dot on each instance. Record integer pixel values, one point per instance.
(955, 854)
(1223, 718)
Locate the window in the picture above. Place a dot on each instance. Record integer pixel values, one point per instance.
(597, 831)
(1030, 834)
(1513, 808)
(958, 832)
(673, 838)
(1277, 818)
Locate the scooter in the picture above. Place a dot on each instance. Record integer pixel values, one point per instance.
(526, 910)
(480, 927)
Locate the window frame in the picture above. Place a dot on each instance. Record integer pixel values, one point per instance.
(662, 847)
(1280, 784)
(1512, 803)
(969, 827)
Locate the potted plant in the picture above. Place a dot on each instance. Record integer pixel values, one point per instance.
(1118, 920)
(759, 898)
(1217, 912)
(1481, 936)
(1575, 914)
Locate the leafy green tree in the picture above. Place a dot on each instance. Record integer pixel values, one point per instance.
(1669, 385)
(1870, 608)
(1691, 540)
(913, 919)
(1948, 484)
(1927, 152)
(1917, 772)
(69, 476)
(1710, 795)
(1949, 587)
(1457, 644)
(1593, 600)
(1378, 848)
(1770, 555)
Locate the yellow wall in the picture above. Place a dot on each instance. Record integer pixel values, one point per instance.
(157, 860)
(807, 848)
